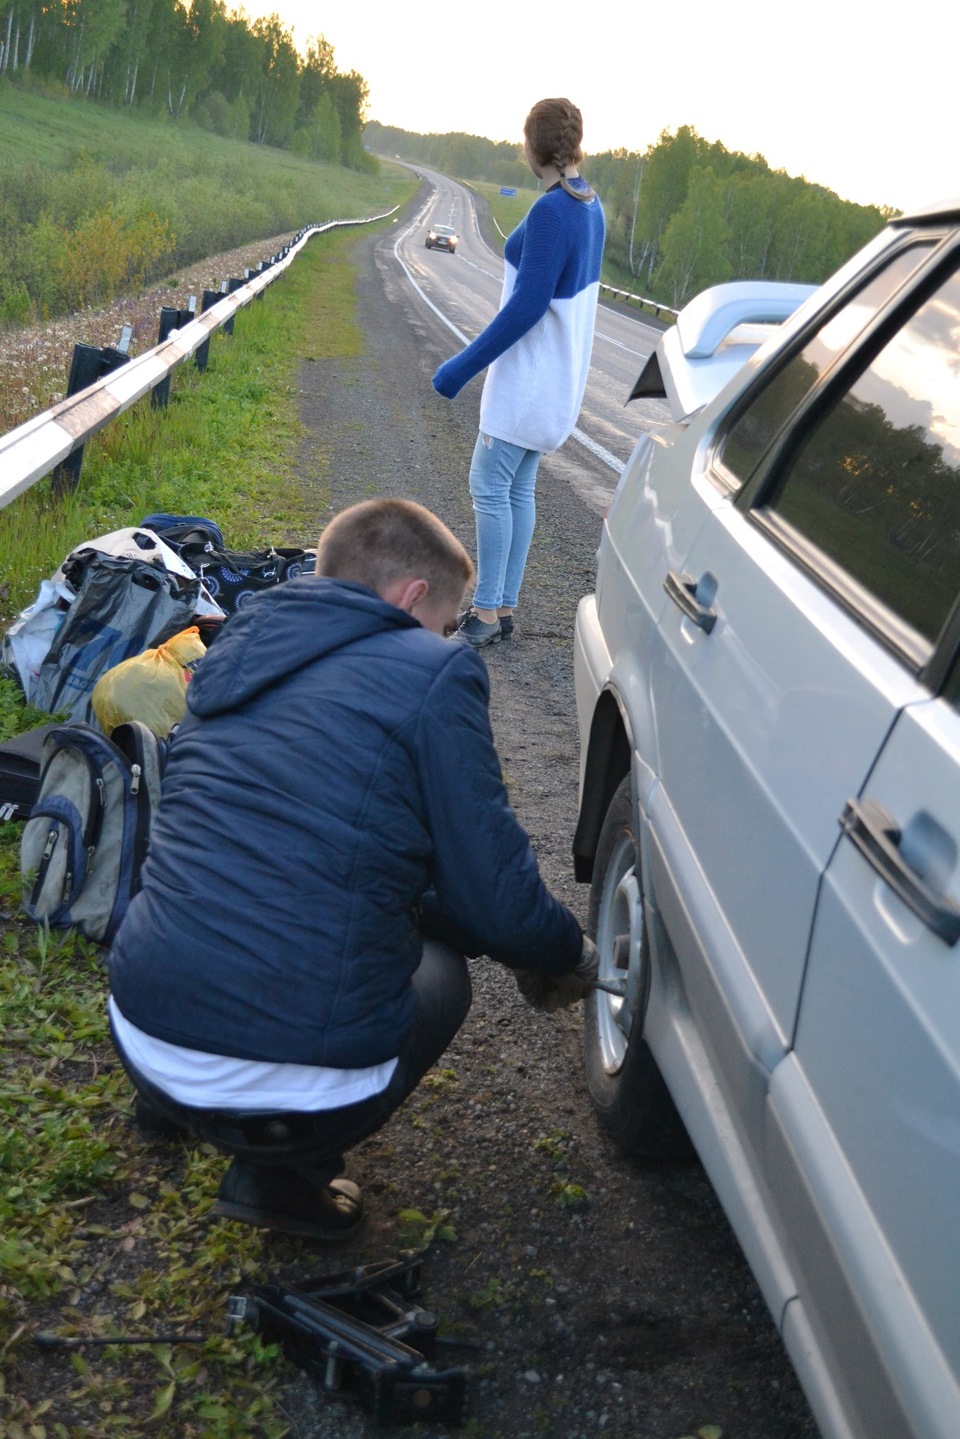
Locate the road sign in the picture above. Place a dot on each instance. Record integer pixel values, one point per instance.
(508, 191)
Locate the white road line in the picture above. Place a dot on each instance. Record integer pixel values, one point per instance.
(620, 345)
(605, 456)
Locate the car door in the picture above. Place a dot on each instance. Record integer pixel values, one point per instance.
(866, 1113)
(771, 700)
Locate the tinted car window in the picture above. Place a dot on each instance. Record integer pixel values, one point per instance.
(766, 415)
(876, 484)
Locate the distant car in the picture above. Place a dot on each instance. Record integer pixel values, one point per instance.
(767, 683)
(442, 237)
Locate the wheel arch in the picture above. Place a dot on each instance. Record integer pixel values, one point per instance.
(609, 751)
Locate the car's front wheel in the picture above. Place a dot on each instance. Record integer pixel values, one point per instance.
(631, 1100)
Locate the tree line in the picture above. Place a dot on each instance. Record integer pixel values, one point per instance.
(685, 213)
(241, 80)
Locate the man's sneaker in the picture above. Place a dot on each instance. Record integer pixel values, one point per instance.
(281, 1199)
(476, 632)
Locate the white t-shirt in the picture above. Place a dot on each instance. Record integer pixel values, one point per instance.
(217, 1081)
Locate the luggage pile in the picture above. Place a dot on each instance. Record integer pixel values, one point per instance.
(109, 646)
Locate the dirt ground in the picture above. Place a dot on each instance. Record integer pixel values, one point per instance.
(601, 1297)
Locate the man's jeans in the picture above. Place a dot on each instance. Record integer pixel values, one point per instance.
(313, 1144)
(503, 484)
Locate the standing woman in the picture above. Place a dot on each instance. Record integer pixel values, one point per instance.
(538, 352)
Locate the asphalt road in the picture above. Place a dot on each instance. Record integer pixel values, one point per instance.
(607, 1298)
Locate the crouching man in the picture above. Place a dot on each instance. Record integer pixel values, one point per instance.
(333, 837)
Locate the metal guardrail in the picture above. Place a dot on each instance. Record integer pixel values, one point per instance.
(35, 448)
(641, 300)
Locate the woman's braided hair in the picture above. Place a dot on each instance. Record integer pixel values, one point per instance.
(553, 131)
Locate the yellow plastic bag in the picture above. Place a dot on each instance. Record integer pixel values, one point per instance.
(150, 687)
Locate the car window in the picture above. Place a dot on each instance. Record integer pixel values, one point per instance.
(766, 414)
(875, 485)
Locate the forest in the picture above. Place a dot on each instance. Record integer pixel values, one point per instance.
(684, 214)
(240, 79)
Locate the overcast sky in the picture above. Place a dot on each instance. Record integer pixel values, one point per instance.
(860, 98)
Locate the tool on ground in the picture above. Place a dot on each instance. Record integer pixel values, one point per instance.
(361, 1335)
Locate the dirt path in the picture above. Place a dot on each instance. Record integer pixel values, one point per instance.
(606, 1298)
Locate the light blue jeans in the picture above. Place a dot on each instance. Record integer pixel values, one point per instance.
(503, 481)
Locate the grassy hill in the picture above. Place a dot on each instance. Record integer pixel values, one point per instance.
(94, 201)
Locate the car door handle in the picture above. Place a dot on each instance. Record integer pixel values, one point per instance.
(682, 589)
(876, 835)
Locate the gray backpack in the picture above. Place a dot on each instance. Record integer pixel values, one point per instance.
(84, 844)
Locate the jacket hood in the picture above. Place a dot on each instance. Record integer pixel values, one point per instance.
(282, 630)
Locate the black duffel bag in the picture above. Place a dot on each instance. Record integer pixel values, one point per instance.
(233, 577)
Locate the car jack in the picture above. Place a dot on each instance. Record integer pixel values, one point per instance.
(360, 1334)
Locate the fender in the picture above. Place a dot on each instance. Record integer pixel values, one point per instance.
(608, 760)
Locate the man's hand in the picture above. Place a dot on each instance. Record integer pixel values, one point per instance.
(550, 992)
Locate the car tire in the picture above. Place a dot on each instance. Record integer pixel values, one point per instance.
(628, 1093)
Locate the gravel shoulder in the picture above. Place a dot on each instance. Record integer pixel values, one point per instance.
(605, 1297)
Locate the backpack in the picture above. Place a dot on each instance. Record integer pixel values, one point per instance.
(86, 839)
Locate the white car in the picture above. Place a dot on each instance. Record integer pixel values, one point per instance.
(767, 682)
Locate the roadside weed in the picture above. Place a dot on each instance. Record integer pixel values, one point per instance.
(420, 1230)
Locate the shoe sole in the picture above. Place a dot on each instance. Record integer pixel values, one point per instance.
(481, 644)
(283, 1223)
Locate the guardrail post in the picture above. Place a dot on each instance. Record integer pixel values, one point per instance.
(202, 352)
(234, 283)
(263, 265)
(169, 320)
(88, 365)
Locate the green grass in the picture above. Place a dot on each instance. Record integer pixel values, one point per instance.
(101, 1234)
(94, 200)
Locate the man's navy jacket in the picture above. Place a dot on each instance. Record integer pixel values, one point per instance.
(332, 794)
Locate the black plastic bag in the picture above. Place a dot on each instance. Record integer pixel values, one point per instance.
(122, 606)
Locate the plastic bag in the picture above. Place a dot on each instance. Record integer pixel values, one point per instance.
(139, 542)
(27, 642)
(149, 687)
(122, 605)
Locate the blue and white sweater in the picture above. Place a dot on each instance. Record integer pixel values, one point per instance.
(538, 346)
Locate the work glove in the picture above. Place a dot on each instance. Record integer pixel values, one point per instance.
(550, 992)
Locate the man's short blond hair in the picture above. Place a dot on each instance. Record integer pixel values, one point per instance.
(377, 542)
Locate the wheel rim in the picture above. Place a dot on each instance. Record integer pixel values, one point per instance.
(620, 937)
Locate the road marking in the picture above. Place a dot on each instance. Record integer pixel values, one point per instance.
(605, 456)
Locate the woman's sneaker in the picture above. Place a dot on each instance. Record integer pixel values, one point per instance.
(476, 632)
